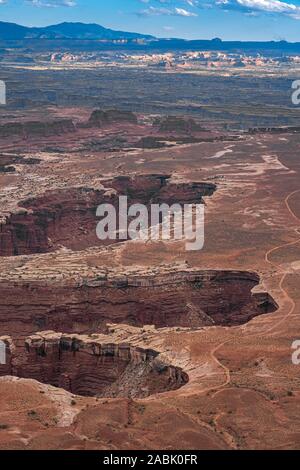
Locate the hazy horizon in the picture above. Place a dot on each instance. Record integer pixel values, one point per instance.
(247, 20)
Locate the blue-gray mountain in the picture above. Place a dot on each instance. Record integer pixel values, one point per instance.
(80, 35)
(12, 31)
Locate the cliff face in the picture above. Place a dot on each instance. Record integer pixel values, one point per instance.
(101, 118)
(95, 366)
(274, 130)
(178, 124)
(8, 160)
(68, 217)
(183, 298)
(30, 129)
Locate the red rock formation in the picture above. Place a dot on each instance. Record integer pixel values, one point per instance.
(8, 160)
(30, 129)
(179, 298)
(101, 118)
(178, 124)
(96, 366)
(68, 217)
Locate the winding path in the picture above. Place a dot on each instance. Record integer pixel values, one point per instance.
(284, 292)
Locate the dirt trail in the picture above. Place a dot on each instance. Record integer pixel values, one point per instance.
(267, 259)
(284, 292)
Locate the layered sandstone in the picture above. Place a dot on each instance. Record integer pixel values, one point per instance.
(31, 129)
(178, 124)
(101, 118)
(189, 298)
(68, 217)
(96, 365)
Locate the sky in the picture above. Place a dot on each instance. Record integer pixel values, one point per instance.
(189, 19)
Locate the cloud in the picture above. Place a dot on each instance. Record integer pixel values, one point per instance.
(188, 8)
(263, 6)
(183, 12)
(249, 7)
(273, 6)
(175, 3)
(163, 11)
(52, 3)
(158, 1)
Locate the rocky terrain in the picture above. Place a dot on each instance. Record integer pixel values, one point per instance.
(142, 344)
(188, 298)
(67, 217)
(95, 365)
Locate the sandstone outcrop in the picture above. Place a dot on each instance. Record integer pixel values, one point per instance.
(178, 124)
(101, 118)
(189, 298)
(96, 365)
(68, 217)
(29, 129)
(274, 130)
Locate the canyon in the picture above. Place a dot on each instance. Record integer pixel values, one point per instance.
(68, 217)
(188, 299)
(92, 365)
(108, 339)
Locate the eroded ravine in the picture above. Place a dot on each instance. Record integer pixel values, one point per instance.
(67, 218)
(92, 366)
(189, 298)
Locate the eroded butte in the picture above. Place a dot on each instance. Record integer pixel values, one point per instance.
(141, 344)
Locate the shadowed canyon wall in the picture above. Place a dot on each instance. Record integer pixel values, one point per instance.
(94, 367)
(185, 298)
(68, 217)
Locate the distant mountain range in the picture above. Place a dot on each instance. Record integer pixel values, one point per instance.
(70, 36)
(12, 31)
